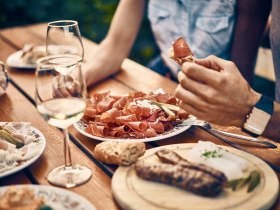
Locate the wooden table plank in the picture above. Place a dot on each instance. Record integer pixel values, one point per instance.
(18, 37)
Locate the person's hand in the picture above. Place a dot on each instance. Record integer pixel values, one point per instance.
(213, 89)
(65, 86)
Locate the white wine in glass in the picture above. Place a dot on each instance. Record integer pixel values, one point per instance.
(60, 99)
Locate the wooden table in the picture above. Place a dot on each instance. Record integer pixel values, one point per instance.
(18, 105)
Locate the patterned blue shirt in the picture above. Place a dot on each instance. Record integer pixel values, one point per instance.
(207, 25)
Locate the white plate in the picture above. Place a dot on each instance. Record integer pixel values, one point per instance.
(132, 192)
(15, 61)
(175, 131)
(41, 144)
(64, 199)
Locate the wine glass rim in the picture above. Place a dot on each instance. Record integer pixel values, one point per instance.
(49, 57)
(57, 23)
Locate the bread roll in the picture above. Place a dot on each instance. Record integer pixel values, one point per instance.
(119, 153)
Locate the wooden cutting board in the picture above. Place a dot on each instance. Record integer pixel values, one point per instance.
(132, 192)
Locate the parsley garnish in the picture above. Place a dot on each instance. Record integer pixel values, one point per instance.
(211, 154)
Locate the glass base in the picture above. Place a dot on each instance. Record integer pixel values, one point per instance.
(69, 176)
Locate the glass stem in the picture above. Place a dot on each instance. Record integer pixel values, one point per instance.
(67, 153)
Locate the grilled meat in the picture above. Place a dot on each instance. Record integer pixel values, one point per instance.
(171, 157)
(195, 181)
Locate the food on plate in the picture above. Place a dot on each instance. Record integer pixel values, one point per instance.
(17, 144)
(198, 180)
(171, 157)
(31, 53)
(252, 180)
(214, 156)
(137, 115)
(119, 153)
(8, 136)
(181, 51)
(204, 171)
(24, 198)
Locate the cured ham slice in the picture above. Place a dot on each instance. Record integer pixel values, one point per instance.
(139, 110)
(126, 118)
(182, 114)
(100, 96)
(157, 126)
(150, 132)
(181, 52)
(120, 103)
(166, 98)
(121, 129)
(110, 115)
(138, 126)
(97, 130)
(90, 111)
(105, 104)
(181, 48)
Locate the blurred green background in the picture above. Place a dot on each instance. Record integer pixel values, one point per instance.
(94, 17)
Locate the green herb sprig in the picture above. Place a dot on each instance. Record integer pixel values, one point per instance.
(211, 154)
(253, 180)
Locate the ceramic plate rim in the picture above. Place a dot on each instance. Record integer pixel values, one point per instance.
(12, 60)
(29, 161)
(156, 138)
(80, 198)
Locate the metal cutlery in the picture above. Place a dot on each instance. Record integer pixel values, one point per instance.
(206, 125)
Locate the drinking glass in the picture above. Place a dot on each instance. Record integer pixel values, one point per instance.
(4, 79)
(64, 37)
(60, 99)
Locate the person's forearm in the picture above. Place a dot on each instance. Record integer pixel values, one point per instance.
(116, 46)
(250, 24)
(125, 25)
(273, 127)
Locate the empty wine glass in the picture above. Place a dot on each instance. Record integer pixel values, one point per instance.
(60, 99)
(64, 37)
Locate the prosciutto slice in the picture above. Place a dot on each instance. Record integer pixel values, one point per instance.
(138, 126)
(105, 104)
(181, 52)
(110, 115)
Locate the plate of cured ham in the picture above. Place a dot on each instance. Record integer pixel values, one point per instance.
(135, 117)
(20, 145)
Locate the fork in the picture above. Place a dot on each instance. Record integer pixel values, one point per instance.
(207, 127)
(26, 48)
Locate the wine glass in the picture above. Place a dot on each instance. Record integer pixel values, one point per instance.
(64, 37)
(4, 78)
(60, 99)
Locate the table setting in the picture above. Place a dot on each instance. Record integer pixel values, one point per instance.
(100, 147)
